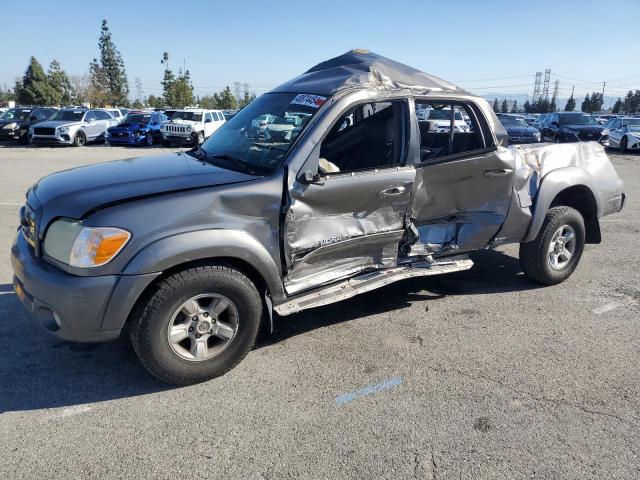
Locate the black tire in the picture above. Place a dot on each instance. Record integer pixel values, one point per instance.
(556, 139)
(623, 145)
(200, 138)
(534, 255)
(148, 141)
(24, 139)
(79, 140)
(150, 322)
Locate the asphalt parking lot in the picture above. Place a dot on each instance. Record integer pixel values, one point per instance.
(478, 374)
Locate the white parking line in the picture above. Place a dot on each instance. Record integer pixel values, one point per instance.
(70, 412)
(606, 308)
(12, 204)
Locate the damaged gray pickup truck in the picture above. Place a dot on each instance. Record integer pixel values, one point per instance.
(366, 174)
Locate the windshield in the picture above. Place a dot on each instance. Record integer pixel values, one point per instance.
(244, 143)
(635, 127)
(631, 121)
(513, 121)
(191, 116)
(569, 119)
(16, 114)
(444, 114)
(68, 115)
(136, 118)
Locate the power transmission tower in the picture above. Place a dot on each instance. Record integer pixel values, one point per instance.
(547, 79)
(536, 87)
(556, 87)
(139, 90)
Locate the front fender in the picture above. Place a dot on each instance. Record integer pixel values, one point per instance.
(187, 247)
(551, 185)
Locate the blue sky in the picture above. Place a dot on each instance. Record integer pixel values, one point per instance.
(485, 46)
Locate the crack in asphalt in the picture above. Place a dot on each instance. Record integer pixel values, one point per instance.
(539, 400)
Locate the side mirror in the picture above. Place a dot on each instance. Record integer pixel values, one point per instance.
(313, 178)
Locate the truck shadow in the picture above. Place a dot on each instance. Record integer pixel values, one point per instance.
(37, 371)
(493, 272)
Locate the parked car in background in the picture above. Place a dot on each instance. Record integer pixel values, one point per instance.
(538, 122)
(191, 126)
(615, 124)
(137, 128)
(14, 125)
(530, 119)
(115, 113)
(518, 130)
(626, 135)
(562, 127)
(603, 119)
(72, 127)
(440, 119)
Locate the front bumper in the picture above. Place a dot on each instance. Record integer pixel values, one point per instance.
(187, 139)
(126, 139)
(69, 307)
(9, 134)
(64, 139)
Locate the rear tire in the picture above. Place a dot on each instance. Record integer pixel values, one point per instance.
(79, 140)
(562, 227)
(169, 360)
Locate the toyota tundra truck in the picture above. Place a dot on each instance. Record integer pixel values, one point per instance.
(190, 253)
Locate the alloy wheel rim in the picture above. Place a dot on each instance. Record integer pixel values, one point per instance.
(202, 327)
(562, 247)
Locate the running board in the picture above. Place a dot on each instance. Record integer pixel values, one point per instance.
(367, 282)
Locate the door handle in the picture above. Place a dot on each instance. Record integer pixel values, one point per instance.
(500, 172)
(390, 192)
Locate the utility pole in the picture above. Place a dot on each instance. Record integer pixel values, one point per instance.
(536, 86)
(603, 84)
(573, 87)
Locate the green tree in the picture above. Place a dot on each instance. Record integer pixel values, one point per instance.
(504, 108)
(514, 107)
(97, 93)
(226, 100)
(617, 107)
(586, 106)
(527, 106)
(155, 102)
(552, 106)
(209, 101)
(246, 99)
(570, 105)
(60, 83)
(631, 103)
(35, 88)
(137, 104)
(109, 73)
(496, 106)
(596, 102)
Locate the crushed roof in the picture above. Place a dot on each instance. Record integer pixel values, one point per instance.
(364, 69)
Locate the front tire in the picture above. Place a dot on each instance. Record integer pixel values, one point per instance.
(198, 325)
(148, 140)
(79, 140)
(555, 252)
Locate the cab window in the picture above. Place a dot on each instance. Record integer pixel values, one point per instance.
(447, 129)
(367, 136)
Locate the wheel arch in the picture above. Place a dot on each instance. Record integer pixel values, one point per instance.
(572, 187)
(167, 256)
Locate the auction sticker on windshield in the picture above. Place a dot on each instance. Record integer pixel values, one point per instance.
(309, 100)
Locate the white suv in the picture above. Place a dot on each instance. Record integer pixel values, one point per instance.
(191, 125)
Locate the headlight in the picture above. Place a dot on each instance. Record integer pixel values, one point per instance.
(188, 128)
(10, 126)
(63, 129)
(70, 242)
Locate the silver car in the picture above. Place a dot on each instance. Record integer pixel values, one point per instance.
(72, 126)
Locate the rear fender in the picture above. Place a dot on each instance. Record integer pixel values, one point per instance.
(553, 184)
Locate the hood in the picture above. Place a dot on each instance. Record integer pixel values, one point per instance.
(73, 193)
(180, 121)
(584, 128)
(521, 130)
(129, 127)
(58, 123)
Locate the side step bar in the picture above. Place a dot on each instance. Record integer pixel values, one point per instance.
(367, 282)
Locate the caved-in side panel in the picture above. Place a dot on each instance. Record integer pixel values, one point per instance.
(460, 205)
(343, 259)
(349, 223)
